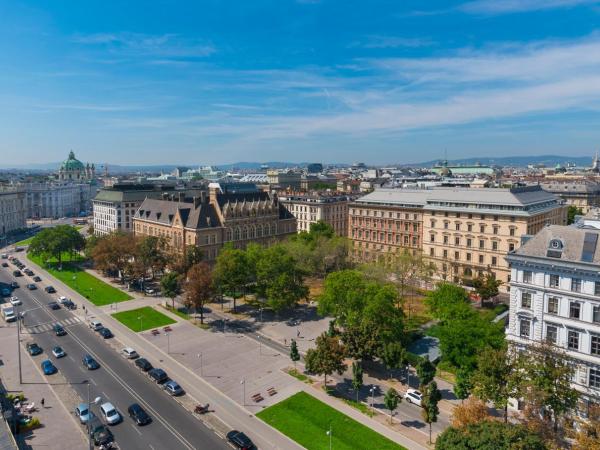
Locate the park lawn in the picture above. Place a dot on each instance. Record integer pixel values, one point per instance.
(151, 318)
(95, 290)
(24, 242)
(306, 420)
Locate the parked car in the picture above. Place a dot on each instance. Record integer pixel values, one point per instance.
(33, 349)
(48, 367)
(4, 256)
(31, 287)
(143, 364)
(83, 413)
(62, 299)
(50, 289)
(4, 264)
(96, 325)
(53, 305)
(29, 272)
(14, 285)
(17, 273)
(240, 440)
(15, 301)
(58, 352)
(172, 388)
(158, 375)
(138, 415)
(37, 279)
(100, 433)
(105, 333)
(6, 292)
(90, 363)
(59, 330)
(110, 413)
(69, 305)
(129, 353)
(413, 396)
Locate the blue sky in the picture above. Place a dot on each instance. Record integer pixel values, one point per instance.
(205, 82)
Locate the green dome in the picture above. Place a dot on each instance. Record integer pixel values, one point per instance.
(72, 163)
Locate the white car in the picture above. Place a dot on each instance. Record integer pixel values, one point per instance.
(95, 325)
(110, 413)
(62, 299)
(413, 396)
(129, 353)
(15, 301)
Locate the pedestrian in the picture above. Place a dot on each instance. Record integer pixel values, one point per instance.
(284, 341)
(42, 402)
(298, 332)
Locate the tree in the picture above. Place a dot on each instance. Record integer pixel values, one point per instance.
(169, 285)
(231, 272)
(391, 400)
(199, 287)
(489, 435)
(331, 331)
(486, 286)
(114, 252)
(587, 436)
(56, 241)
(393, 356)
(425, 371)
(344, 297)
(326, 358)
(151, 252)
(448, 302)
(294, 354)
(357, 378)
(429, 404)
(470, 412)
(573, 211)
(463, 385)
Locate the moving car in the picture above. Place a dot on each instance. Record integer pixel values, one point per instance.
(53, 305)
(15, 301)
(59, 330)
(138, 415)
(37, 279)
(143, 364)
(240, 440)
(50, 289)
(17, 273)
(172, 388)
(58, 352)
(69, 305)
(14, 285)
(48, 367)
(33, 349)
(110, 413)
(105, 333)
(129, 353)
(31, 287)
(90, 363)
(96, 325)
(62, 300)
(158, 375)
(413, 396)
(83, 413)
(4, 264)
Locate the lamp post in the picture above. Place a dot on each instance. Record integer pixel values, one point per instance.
(200, 358)
(330, 434)
(243, 383)
(168, 343)
(96, 401)
(408, 375)
(259, 344)
(19, 344)
(372, 391)
(140, 317)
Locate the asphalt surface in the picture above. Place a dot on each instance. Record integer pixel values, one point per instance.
(117, 380)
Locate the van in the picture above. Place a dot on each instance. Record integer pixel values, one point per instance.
(129, 353)
(110, 413)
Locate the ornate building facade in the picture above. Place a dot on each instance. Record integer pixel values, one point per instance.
(74, 170)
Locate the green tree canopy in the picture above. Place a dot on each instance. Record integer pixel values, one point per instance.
(448, 302)
(326, 358)
(489, 435)
(231, 274)
(391, 400)
(170, 286)
(56, 241)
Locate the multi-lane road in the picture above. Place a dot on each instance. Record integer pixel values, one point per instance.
(117, 381)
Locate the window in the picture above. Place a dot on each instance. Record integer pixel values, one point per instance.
(574, 310)
(431, 251)
(469, 242)
(495, 230)
(596, 314)
(554, 281)
(511, 247)
(525, 328)
(576, 284)
(456, 241)
(553, 305)
(551, 334)
(482, 228)
(595, 344)
(480, 259)
(458, 227)
(445, 254)
(432, 238)
(433, 224)
(494, 261)
(446, 225)
(470, 227)
(594, 378)
(456, 255)
(494, 245)
(527, 276)
(481, 243)
(597, 288)
(445, 239)
(468, 257)
(573, 340)
(512, 232)
(526, 300)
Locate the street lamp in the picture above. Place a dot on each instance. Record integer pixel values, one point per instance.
(200, 358)
(140, 318)
(168, 343)
(96, 401)
(372, 391)
(330, 434)
(259, 344)
(243, 383)
(408, 375)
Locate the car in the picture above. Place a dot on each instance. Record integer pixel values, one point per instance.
(31, 287)
(150, 291)
(413, 396)
(53, 305)
(110, 413)
(83, 413)
(19, 249)
(157, 375)
(48, 367)
(4, 256)
(172, 388)
(15, 301)
(28, 272)
(95, 325)
(37, 279)
(17, 273)
(138, 415)
(59, 330)
(143, 364)
(69, 305)
(129, 353)
(62, 299)
(50, 289)
(4, 264)
(33, 349)
(90, 363)
(6, 292)
(240, 440)
(58, 352)
(14, 285)
(105, 333)
(100, 433)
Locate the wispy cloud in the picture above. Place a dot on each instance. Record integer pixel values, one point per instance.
(379, 41)
(493, 7)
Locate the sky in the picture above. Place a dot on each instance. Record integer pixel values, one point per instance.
(384, 82)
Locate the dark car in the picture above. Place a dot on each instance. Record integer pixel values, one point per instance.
(90, 363)
(14, 285)
(240, 440)
(6, 292)
(4, 264)
(28, 272)
(69, 304)
(34, 349)
(50, 289)
(53, 305)
(17, 273)
(138, 415)
(143, 364)
(158, 375)
(105, 333)
(59, 330)
(100, 433)
(37, 279)
(31, 287)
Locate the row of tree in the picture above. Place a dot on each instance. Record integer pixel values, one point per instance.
(56, 242)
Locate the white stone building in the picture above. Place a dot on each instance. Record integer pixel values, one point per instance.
(57, 199)
(12, 210)
(311, 208)
(555, 295)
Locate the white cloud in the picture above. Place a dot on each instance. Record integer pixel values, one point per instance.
(493, 7)
(380, 41)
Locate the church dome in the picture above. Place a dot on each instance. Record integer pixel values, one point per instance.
(72, 163)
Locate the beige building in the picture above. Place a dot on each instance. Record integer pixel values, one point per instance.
(319, 206)
(465, 232)
(12, 210)
(584, 194)
(213, 220)
(284, 179)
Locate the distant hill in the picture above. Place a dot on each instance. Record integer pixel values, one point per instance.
(519, 161)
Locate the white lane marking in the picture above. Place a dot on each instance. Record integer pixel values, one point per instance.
(150, 445)
(93, 382)
(135, 428)
(71, 358)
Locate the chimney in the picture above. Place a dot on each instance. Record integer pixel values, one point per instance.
(203, 196)
(213, 190)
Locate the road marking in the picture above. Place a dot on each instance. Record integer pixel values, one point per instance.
(135, 428)
(93, 382)
(71, 358)
(150, 445)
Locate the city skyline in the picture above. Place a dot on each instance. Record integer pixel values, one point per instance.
(298, 81)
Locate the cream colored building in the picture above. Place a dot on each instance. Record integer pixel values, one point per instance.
(584, 194)
(311, 208)
(12, 210)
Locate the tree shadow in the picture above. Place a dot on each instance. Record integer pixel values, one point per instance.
(232, 326)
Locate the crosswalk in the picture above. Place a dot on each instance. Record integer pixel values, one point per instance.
(48, 326)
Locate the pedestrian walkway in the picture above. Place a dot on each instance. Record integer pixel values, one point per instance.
(41, 328)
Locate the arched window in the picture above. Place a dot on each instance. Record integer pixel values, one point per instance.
(244, 232)
(251, 232)
(228, 235)
(259, 230)
(236, 234)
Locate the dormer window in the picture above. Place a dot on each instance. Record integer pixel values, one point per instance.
(555, 248)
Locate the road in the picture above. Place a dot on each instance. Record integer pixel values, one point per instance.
(117, 380)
